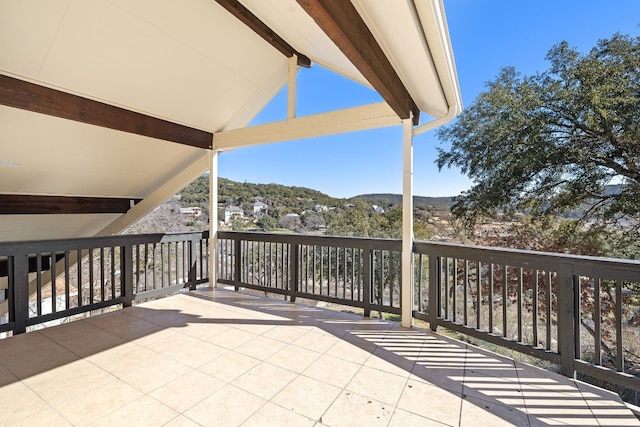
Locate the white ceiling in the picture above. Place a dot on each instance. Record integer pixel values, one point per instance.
(189, 62)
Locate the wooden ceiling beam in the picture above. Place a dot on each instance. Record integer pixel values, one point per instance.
(19, 204)
(41, 99)
(260, 28)
(340, 20)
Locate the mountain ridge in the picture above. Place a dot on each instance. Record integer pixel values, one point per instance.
(387, 199)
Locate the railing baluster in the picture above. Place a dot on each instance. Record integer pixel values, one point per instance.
(344, 273)
(178, 263)
(382, 279)
(79, 275)
(435, 301)
(286, 270)
(39, 284)
(535, 308)
(597, 318)
(329, 271)
(419, 285)
(283, 265)
(505, 299)
(237, 252)
(393, 283)
(360, 286)
(577, 313)
(19, 295)
(269, 269)
(186, 261)
(146, 264)
(465, 310)
(191, 262)
(454, 286)
(255, 262)
(336, 271)
(113, 272)
(198, 255)
(306, 267)
(262, 253)
(181, 255)
(53, 281)
(155, 265)
(548, 302)
(294, 271)
(165, 263)
(66, 282)
(314, 250)
(491, 298)
(321, 284)
(446, 288)
(478, 295)
(221, 260)
(618, 320)
(91, 278)
(520, 302)
(367, 281)
(136, 268)
(126, 275)
(353, 284)
(102, 276)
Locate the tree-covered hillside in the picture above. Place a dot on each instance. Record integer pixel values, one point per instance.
(386, 199)
(244, 194)
(305, 210)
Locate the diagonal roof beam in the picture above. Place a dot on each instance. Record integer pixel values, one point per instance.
(260, 28)
(21, 204)
(353, 119)
(41, 99)
(342, 23)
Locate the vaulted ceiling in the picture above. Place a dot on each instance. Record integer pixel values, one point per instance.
(109, 106)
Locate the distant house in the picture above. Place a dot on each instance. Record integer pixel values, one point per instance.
(377, 209)
(232, 211)
(259, 208)
(193, 211)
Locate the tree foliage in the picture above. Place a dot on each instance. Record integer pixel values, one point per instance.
(558, 235)
(554, 143)
(338, 217)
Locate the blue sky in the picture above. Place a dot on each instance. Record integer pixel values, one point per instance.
(486, 35)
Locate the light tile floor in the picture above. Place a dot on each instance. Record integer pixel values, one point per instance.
(218, 358)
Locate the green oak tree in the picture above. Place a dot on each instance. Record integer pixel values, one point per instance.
(561, 142)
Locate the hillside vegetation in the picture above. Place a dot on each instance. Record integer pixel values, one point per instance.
(304, 210)
(289, 209)
(386, 199)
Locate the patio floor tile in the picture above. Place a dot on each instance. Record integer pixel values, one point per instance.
(214, 357)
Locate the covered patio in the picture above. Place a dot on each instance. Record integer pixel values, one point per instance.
(107, 108)
(217, 357)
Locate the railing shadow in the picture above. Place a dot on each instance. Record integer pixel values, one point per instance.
(438, 365)
(445, 377)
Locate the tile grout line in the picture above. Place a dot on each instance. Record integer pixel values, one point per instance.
(343, 389)
(573, 381)
(405, 385)
(49, 404)
(524, 400)
(464, 378)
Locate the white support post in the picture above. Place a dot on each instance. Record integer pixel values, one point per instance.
(407, 223)
(213, 217)
(292, 87)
